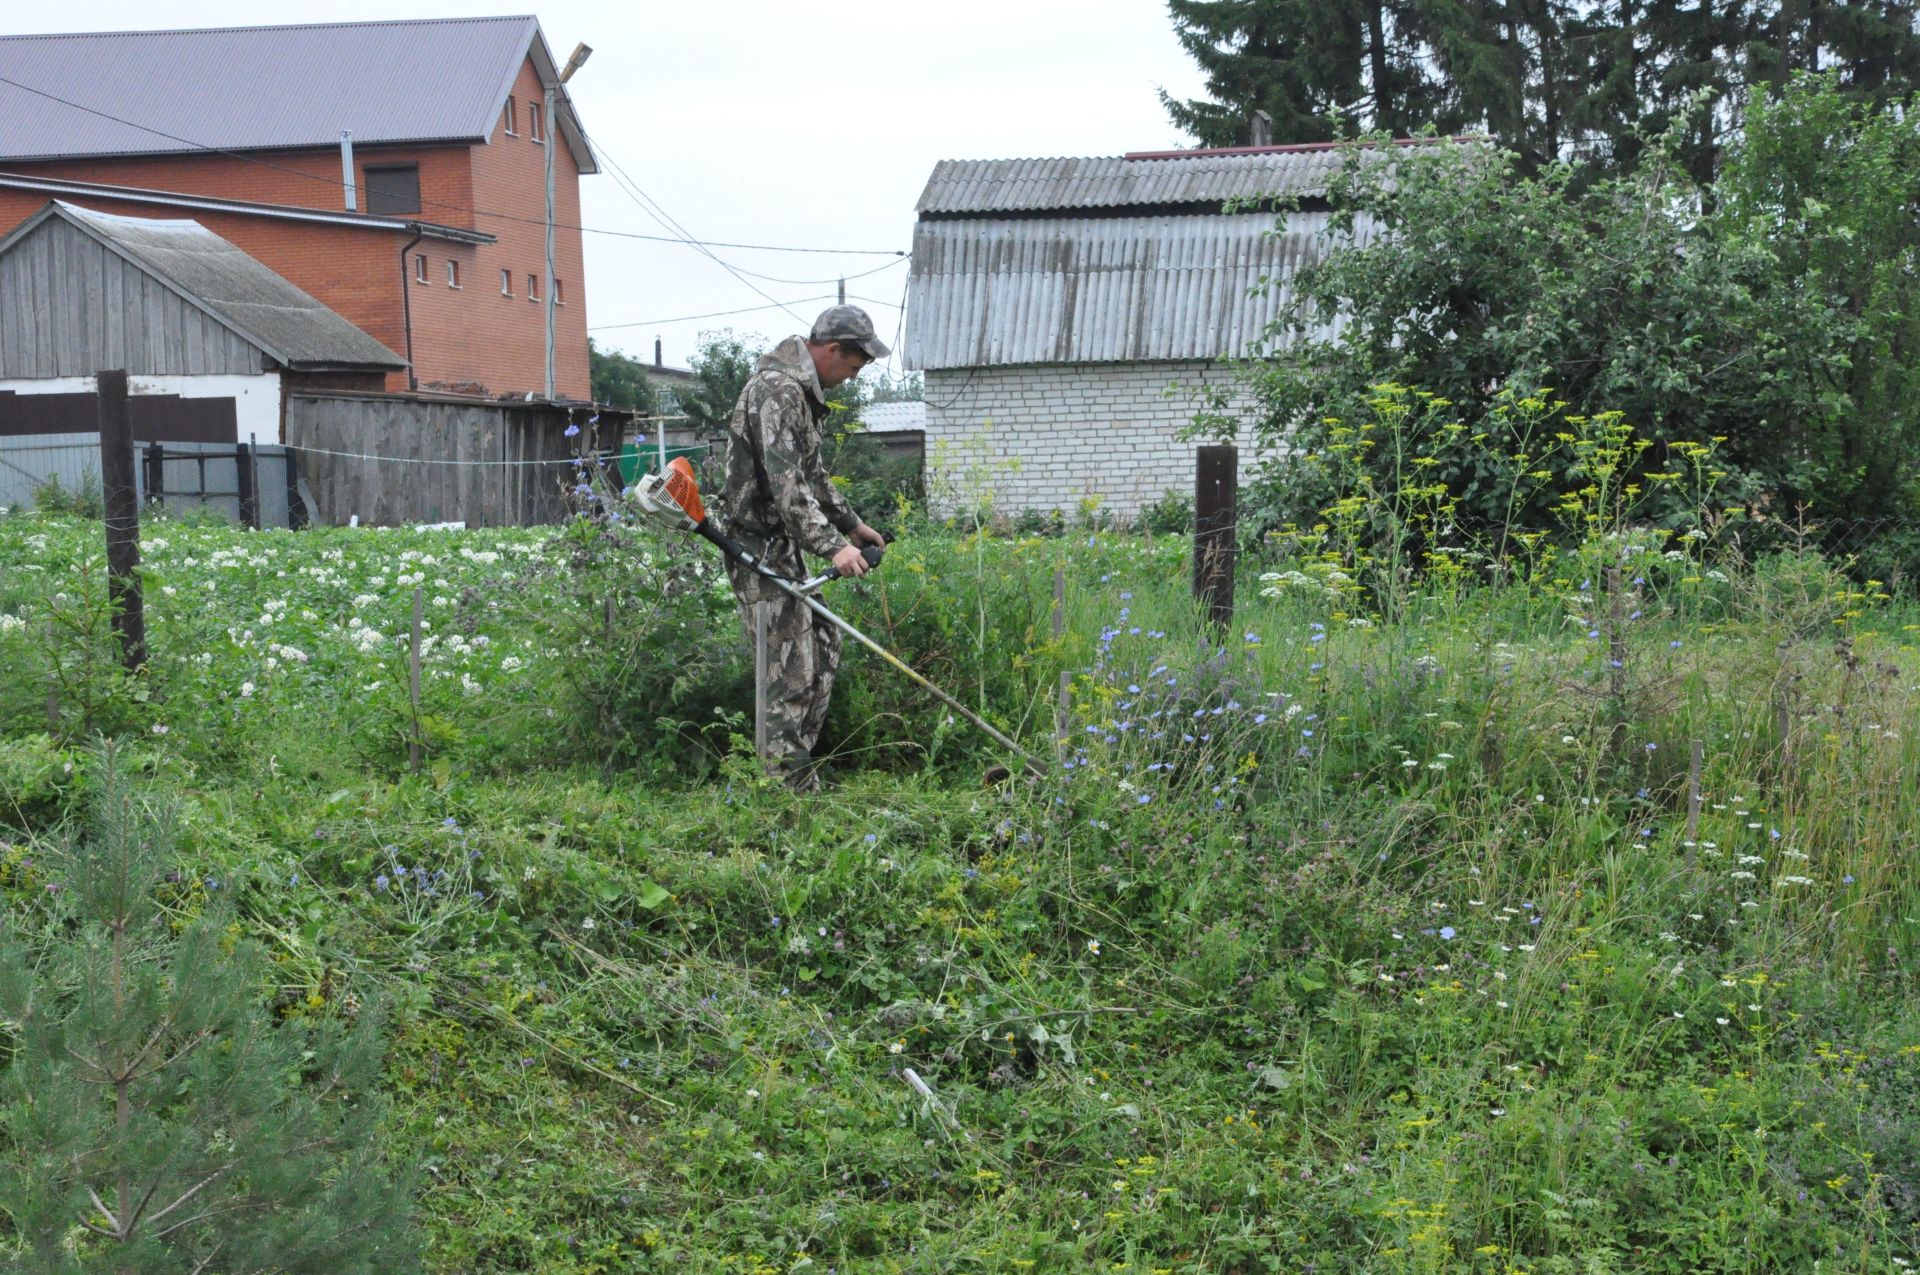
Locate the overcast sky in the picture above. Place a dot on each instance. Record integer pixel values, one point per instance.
(776, 122)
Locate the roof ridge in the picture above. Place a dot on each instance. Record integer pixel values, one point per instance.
(284, 26)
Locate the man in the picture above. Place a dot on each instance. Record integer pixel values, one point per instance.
(778, 502)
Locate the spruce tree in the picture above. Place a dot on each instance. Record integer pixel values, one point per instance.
(154, 1114)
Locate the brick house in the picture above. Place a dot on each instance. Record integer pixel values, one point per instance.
(437, 247)
(1066, 312)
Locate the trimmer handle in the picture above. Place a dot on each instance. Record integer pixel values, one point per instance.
(872, 553)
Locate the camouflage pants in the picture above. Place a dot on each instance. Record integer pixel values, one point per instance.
(803, 656)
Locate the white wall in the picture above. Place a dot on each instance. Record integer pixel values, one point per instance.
(256, 399)
(1053, 436)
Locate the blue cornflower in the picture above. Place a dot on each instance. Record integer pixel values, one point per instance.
(1593, 633)
(571, 431)
(1253, 639)
(1674, 645)
(1651, 745)
(294, 879)
(1847, 879)
(1446, 931)
(1143, 799)
(871, 838)
(1259, 718)
(1318, 637)
(1126, 596)
(450, 822)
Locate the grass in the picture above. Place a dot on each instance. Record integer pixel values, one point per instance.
(1333, 944)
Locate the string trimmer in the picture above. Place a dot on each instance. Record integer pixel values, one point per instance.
(673, 500)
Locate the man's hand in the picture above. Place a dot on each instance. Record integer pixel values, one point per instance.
(848, 561)
(865, 535)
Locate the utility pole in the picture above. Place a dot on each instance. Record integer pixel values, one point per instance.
(551, 123)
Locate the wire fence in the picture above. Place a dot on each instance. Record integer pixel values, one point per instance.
(262, 486)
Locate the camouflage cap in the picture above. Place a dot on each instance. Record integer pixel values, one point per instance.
(849, 325)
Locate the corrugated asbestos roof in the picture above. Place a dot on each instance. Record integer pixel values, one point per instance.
(265, 88)
(987, 186)
(994, 291)
(234, 288)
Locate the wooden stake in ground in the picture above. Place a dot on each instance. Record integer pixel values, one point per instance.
(1216, 489)
(1616, 664)
(122, 505)
(1064, 697)
(414, 745)
(53, 679)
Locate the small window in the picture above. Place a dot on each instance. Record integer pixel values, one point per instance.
(394, 189)
(533, 287)
(507, 120)
(559, 293)
(533, 123)
(506, 283)
(453, 273)
(419, 268)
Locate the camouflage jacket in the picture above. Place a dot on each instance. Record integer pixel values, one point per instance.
(778, 498)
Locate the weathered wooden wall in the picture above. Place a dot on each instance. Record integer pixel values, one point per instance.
(402, 459)
(69, 307)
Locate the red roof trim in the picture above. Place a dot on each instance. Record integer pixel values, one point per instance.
(1294, 148)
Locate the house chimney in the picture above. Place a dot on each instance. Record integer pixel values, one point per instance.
(1262, 129)
(656, 353)
(346, 171)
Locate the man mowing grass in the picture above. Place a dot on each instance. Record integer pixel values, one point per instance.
(778, 501)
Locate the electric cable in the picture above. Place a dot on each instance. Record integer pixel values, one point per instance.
(440, 203)
(717, 314)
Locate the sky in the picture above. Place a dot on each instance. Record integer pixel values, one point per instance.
(769, 122)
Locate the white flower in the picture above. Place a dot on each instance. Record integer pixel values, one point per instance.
(1093, 945)
(586, 923)
(246, 689)
(897, 1047)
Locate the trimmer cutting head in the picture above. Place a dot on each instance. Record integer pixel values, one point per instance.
(671, 499)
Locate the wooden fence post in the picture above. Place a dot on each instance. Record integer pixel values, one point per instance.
(1695, 764)
(122, 506)
(244, 476)
(1063, 699)
(1216, 487)
(414, 748)
(53, 679)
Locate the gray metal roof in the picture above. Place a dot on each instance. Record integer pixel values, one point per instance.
(987, 186)
(883, 418)
(232, 287)
(994, 291)
(266, 88)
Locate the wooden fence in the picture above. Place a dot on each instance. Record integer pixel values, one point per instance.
(390, 459)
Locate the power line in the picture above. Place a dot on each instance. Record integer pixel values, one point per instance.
(337, 183)
(717, 314)
(653, 209)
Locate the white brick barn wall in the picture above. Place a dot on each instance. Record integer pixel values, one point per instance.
(1054, 436)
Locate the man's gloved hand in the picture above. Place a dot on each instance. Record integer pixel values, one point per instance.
(849, 563)
(865, 535)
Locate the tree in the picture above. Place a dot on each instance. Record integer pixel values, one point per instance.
(157, 1118)
(1547, 79)
(620, 380)
(721, 367)
(1771, 312)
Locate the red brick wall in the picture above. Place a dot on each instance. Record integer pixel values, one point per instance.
(509, 177)
(468, 336)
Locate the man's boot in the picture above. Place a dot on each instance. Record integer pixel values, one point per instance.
(798, 772)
